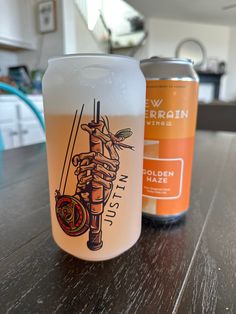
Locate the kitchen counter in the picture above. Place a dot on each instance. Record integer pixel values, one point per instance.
(185, 268)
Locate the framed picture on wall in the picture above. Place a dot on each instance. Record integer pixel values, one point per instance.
(47, 16)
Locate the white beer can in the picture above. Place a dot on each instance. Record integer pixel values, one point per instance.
(94, 112)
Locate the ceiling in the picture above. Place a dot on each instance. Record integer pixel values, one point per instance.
(201, 11)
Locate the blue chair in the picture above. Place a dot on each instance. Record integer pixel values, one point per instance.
(27, 101)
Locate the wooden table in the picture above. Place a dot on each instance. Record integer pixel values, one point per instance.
(186, 268)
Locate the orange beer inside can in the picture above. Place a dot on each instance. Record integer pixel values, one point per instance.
(170, 122)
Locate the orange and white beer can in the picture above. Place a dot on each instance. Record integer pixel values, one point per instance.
(170, 123)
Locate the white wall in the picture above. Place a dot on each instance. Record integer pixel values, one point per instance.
(77, 37)
(142, 52)
(7, 58)
(164, 36)
(231, 66)
(71, 36)
(48, 45)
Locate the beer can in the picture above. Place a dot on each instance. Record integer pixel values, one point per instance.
(94, 108)
(170, 122)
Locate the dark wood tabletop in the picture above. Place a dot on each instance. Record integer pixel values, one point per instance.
(184, 268)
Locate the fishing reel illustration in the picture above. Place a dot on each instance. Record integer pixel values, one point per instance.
(72, 215)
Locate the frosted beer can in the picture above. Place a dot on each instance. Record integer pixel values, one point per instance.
(170, 119)
(94, 112)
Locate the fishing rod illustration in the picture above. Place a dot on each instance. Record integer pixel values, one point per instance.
(96, 171)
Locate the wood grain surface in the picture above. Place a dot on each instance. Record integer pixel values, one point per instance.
(185, 268)
(211, 284)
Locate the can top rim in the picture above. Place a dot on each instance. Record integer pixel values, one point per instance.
(167, 60)
(88, 55)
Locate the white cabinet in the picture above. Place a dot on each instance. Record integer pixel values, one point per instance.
(10, 135)
(17, 27)
(18, 124)
(8, 111)
(31, 133)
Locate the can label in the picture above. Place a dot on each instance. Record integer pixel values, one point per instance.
(170, 118)
(92, 183)
(98, 182)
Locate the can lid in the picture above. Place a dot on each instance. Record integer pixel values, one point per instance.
(156, 59)
(91, 55)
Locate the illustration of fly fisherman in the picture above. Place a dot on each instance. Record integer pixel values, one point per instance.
(96, 171)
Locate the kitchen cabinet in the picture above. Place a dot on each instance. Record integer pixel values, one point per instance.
(30, 133)
(17, 29)
(10, 135)
(18, 124)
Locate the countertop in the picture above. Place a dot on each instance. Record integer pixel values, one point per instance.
(185, 268)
